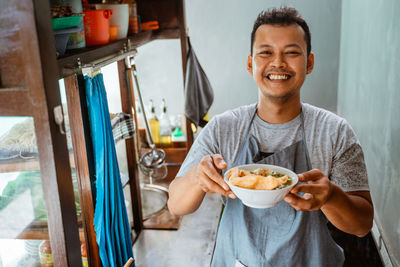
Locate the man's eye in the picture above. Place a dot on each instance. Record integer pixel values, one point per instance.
(266, 52)
(293, 53)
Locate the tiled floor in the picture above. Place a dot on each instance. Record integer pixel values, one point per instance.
(191, 245)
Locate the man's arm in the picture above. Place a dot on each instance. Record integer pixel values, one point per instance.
(186, 193)
(351, 212)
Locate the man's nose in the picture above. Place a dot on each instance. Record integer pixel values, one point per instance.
(278, 61)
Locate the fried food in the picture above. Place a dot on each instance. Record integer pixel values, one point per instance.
(236, 172)
(267, 183)
(248, 181)
(260, 179)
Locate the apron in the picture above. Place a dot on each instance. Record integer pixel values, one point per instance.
(277, 236)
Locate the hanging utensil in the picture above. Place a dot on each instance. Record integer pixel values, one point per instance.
(154, 173)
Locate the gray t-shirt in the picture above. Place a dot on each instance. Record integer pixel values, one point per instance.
(331, 142)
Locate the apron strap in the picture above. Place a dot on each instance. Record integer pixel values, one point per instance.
(304, 138)
(244, 142)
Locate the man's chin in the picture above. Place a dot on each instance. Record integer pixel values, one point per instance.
(277, 97)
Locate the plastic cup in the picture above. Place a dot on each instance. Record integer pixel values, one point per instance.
(113, 32)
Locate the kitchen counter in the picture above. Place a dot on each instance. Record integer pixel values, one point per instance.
(191, 245)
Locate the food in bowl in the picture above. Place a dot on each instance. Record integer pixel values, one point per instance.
(259, 179)
(260, 198)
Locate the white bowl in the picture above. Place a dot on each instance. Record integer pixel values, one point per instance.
(262, 198)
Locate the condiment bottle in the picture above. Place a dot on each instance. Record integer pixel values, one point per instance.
(177, 138)
(165, 127)
(154, 124)
(84, 255)
(141, 125)
(46, 258)
(133, 17)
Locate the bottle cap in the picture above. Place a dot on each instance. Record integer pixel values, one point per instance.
(164, 106)
(177, 132)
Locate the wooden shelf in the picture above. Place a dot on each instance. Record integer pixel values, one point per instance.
(19, 164)
(37, 230)
(175, 154)
(42, 234)
(69, 62)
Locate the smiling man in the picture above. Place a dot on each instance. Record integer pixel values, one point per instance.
(280, 130)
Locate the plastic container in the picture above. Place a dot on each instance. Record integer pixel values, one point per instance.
(65, 22)
(62, 37)
(119, 18)
(76, 5)
(97, 26)
(77, 39)
(177, 138)
(113, 32)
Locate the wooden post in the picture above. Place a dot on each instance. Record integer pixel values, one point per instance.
(82, 168)
(184, 50)
(52, 144)
(128, 105)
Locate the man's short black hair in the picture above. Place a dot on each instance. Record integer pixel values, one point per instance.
(283, 16)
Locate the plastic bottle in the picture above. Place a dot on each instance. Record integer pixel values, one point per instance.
(46, 258)
(84, 254)
(140, 122)
(177, 138)
(165, 127)
(154, 124)
(133, 17)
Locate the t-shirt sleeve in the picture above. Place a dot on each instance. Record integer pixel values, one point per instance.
(204, 144)
(348, 166)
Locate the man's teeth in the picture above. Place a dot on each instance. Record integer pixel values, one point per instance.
(278, 77)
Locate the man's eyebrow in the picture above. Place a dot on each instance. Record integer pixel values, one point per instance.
(264, 46)
(293, 45)
(286, 46)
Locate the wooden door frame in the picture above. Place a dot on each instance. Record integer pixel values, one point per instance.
(180, 5)
(53, 149)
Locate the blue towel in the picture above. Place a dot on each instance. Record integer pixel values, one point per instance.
(113, 234)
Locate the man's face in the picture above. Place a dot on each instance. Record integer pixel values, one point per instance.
(279, 63)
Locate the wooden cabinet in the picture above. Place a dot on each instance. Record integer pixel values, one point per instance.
(29, 89)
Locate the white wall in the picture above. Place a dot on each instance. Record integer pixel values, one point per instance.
(159, 68)
(160, 75)
(369, 96)
(220, 35)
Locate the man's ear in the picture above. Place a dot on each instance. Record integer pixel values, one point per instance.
(310, 63)
(250, 65)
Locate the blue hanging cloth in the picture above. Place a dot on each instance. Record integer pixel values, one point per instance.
(113, 234)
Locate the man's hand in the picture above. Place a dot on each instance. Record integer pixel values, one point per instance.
(187, 192)
(208, 175)
(317, 191)
(351, 212)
